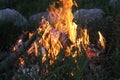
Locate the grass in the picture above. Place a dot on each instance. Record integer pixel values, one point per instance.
(70, 68)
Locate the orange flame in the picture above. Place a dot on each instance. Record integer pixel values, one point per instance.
(64, 18)
(90, 49)
(30, 35)
(36, 48)
(101, 40)
(85, 37)
(17, 45)
(61, 18)
(33, 49)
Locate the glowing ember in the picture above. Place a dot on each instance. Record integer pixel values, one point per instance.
(21, 59)
(17, 45)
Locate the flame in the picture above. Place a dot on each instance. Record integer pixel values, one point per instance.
(61, 33)
(17, 45)
(91, 49)
(85, 37)
(43, 54)
(30, 35)
(64, 18)
(62, 24)
(20, 40)
(33, 49)
(36, 48)
(101, 40)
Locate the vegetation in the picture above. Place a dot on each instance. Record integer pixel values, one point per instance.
(110, 28)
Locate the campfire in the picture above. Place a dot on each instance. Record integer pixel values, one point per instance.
(60, 34)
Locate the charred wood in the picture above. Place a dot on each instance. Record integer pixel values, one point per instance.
(6, 63)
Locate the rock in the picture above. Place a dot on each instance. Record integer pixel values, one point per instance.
(12, 23)
(92, 19)
(113, 1)
(114, 4)
(87, 15)
(11, 15)
(35, 19)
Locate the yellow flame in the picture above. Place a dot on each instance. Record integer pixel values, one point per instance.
(33, 49)
(85, 37)
(61, 23)
(30, 35)
(20, 40)
(14, 49)
(16, 46)
(44, 58)
(101, 40)
(30, 50)
(72, 74)
(61, 18)
(36, 48)
(64, 18)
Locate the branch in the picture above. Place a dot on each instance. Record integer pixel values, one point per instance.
(5, 64)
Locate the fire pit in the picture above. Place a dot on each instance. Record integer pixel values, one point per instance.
(51, 41)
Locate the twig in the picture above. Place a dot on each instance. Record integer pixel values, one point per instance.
(5, 64)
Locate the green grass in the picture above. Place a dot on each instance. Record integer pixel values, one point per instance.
(59, 70)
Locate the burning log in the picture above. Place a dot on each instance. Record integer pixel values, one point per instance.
(15, 55)
(92, 50)
(65, 41)
(14, 47)
(18, 43)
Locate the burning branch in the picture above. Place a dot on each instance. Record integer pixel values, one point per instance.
(15, 55)
(92, 50)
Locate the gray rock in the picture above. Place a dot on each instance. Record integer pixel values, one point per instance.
(12, 24)
(11, 15)
(35, 19)
(86, 15)
(113, 1)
